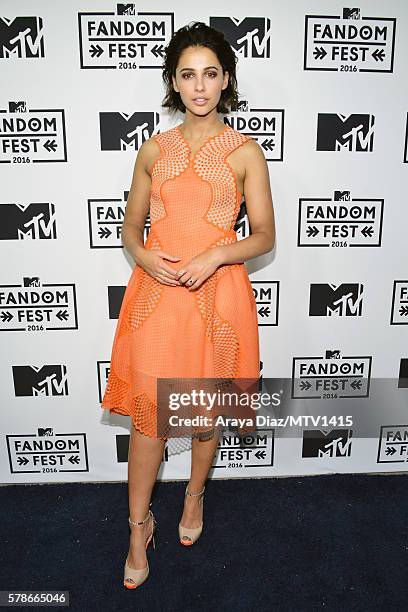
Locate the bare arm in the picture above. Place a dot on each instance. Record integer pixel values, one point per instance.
(137, 206)
(258, 199)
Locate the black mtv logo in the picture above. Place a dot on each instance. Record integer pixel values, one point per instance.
(351, 13)
(126, 9)
(337, 132)
(122, 449)
(341, 196)
(21, 37)
(17, 107)
(120, 131)
(115, 298)
(35, 221)
(332, 354)
(45, 431)
(241, 223)
(242, 106)
(49, 380)
(336, 443)
(403, 374)
(344, 300)
(250, 37)
(31, 281)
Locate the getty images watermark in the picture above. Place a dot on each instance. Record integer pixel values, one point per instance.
(214, 402)
(188, 406)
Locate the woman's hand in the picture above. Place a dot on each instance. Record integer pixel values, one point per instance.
(199, 268)
(153, 262)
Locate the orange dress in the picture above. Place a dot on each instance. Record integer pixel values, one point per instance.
(168, 331)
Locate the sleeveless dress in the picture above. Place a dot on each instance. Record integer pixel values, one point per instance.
(168, 331)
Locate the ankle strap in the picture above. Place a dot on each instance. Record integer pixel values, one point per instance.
(194, 494)
(149, 514)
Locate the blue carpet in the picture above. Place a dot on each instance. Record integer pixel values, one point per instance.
(332, 542)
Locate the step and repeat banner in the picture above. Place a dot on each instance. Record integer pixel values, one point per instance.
(324, 91)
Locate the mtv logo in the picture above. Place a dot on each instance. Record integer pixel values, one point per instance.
(341, 196)
(242, 106)
(403, 374)
(47, 380)
(241, 226)
(120, 131)
(115, 298)
(31, 281)
(351, 13)
(332, 354)
(336, 132)
(18, 107)
(32, 221)
(335, 443)
(21, 37)
(250, 37)
(45, 431)
(126, 9)
(328, 300)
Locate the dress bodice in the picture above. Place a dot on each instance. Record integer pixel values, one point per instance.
(194, 197)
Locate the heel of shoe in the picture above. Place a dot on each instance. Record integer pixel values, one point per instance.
(192, 533)
(154, 529)
(139, 576)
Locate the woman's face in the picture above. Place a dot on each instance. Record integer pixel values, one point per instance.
(199, 79)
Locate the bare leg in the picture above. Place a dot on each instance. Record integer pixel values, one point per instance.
(202, 456)
(145, 456)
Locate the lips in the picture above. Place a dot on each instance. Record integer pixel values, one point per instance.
(200, 101)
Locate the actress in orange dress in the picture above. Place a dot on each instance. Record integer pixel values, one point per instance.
(189, 310)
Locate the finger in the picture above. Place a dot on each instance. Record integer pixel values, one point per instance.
(164, 267)
(168, 277)
(185, 277)
(170, 257)
(191, 283)
(164, 281)
(169, 280)
(196, 283)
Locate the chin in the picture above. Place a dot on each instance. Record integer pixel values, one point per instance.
(200, 110)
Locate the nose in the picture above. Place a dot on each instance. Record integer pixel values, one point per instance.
(199, 84)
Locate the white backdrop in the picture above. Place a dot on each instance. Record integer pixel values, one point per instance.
(329, 107)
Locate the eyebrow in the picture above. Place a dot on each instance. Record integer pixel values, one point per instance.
(206, 68)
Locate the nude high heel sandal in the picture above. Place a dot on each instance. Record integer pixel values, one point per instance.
(139, 576)
(191, 533)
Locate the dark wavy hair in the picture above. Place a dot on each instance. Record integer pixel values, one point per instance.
(199, 34)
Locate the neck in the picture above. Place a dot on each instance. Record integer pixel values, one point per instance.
(201, 127)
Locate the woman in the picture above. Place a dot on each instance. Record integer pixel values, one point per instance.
(189, 309)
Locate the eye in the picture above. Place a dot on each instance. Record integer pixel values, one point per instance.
(188, 74)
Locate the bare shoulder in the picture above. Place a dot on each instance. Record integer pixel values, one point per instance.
(248, 153)
(249, 158)
(148, 153)
(250, 150)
